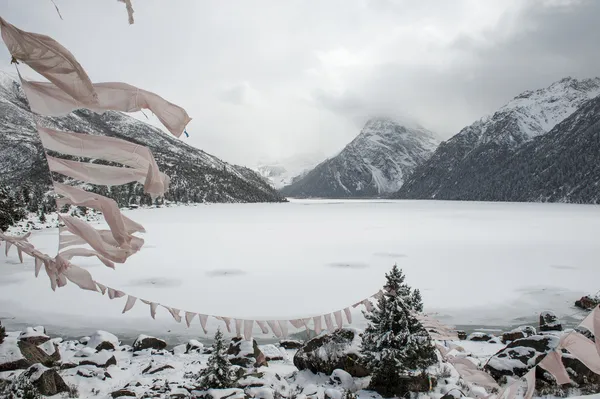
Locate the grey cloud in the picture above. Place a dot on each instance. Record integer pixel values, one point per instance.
(528, 49)
(441, 63)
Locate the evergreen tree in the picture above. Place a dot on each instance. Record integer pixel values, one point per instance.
(2, 333)
(42, 215)
(217, 374)
(395, 344)
(10, 211)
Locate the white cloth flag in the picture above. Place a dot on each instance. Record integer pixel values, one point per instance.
(84, 252)
(248, 324)
(109, 149)
(189, 316)
(51, 60)
(121, 226)
(553, 364)
(47, 99)
(583, 349)
(108, 175)
(129, 304)
(93, 237)
(338, 319)
(328, 322)
(275, 328)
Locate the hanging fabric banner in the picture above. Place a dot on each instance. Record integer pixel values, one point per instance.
(51, 60)
(47, 99)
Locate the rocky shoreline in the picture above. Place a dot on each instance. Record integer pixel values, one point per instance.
(325, 367)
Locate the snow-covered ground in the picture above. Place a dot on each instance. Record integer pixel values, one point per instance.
(477, 264)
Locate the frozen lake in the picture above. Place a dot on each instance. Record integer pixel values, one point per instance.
(477, 264)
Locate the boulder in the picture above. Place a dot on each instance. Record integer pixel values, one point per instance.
(50, 348)
(194, 346)
(147, 342)
(246, 353)
(343, 379)
(480, 337)
(229, 393)
(404, 385)
(453, 394)
(102, 359)
(47, 381)
(34, 335)
(337, 350)
(102, 340)
(291, 344)
(520, 332)
(122, 392)
(549, 322)
(588, 302)
(520, 355)
(150, 370)
(462, 335)
(16, 354)
(272, 353)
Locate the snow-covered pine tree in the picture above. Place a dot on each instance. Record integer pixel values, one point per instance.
(2, 333)
(10, 211)
(395, 344)
(217, 374)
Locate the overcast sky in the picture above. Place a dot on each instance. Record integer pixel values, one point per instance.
(267, 79)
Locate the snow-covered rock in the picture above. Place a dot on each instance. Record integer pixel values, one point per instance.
(343, 379)
(480, 336)
(103, 340)
(328, 352)
(11, 357)
(147, 342)
(374, 164)
(549, 322)
(47, 381)
(519, 332)
(291, 344)
(520, 355)
(102, 359)
(245, 353)
(34, 335)
(588, 302)
(272, 352)
(194, 345)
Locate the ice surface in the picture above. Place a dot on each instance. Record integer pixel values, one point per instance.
(482, 264)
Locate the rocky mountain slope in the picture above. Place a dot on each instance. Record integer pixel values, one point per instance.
(195, 175)
(461, 168)
(375, 163)
(560, 166)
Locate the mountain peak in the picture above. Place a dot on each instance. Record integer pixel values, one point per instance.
(375, 163)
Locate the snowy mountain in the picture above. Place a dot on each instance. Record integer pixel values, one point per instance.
(375, 163)
(283, 172)
(459, 167)
(560, 166)
(195, 175)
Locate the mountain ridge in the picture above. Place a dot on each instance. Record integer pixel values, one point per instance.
(196, 176)
(373, 164)
(494, 138)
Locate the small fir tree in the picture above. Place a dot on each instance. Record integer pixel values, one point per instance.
(42, 215)
(217, 374)
(395, 344)
(2, 333)
(10, 211)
